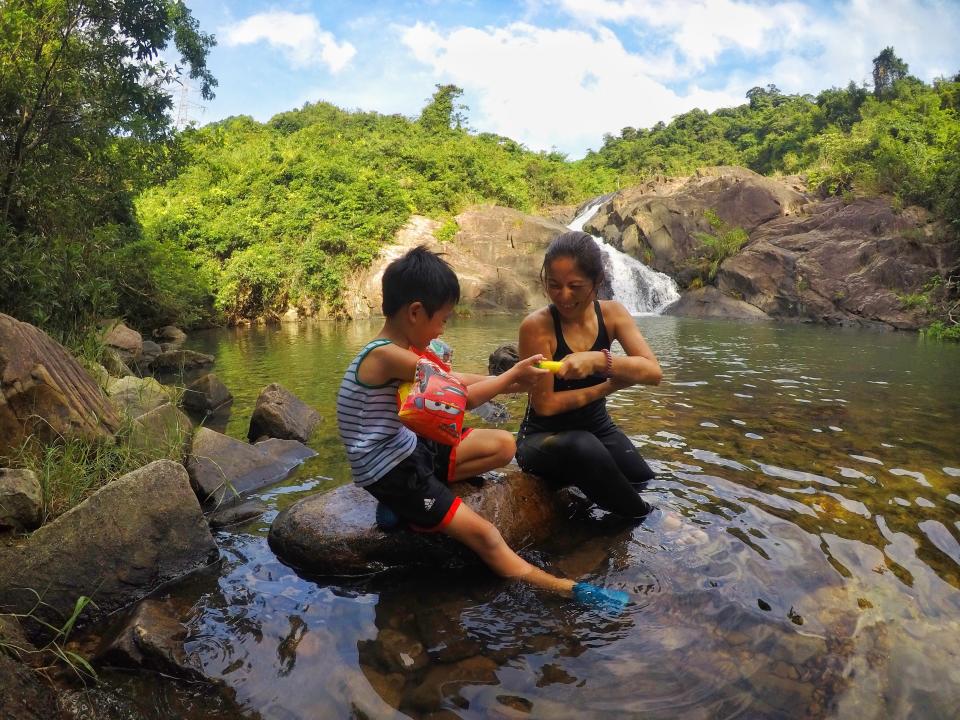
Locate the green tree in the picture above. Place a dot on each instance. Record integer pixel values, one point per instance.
(444, 111)
(887, 69)
(84, 102)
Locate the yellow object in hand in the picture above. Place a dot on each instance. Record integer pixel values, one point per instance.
(551, 365)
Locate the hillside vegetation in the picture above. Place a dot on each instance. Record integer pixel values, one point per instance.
(105, 210)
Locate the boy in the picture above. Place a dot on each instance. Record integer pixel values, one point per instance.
(408, 474)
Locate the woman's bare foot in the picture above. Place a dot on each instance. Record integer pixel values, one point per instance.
(678, 530)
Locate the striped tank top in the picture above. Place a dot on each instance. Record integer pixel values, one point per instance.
(370, 429)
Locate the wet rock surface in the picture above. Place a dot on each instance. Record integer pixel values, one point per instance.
(334, 533)
(222, 468)
(709, 302)
(152, 638)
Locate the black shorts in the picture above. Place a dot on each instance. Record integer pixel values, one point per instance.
(416, 489)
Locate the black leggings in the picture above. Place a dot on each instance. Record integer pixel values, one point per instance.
(604, 465)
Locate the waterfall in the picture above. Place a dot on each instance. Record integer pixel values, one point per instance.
(642, 291)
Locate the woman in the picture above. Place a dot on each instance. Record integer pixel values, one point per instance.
(567, 436)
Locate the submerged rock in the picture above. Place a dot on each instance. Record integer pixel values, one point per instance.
(151, 638)
(222, 469)
(334, 533)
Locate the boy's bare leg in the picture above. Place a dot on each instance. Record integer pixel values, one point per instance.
(485, 540)
(483, 450)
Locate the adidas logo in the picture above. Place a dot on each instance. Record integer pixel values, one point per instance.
(428, 503)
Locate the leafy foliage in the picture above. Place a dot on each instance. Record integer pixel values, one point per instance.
(84, 98)
(724, 242)
(282, 213)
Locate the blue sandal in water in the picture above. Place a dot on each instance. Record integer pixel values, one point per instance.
(613, 601)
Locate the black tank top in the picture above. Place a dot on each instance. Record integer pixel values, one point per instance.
(591, 416)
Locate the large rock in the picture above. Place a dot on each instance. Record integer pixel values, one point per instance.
(136, 396)
(123, 542)
(222, 469)
(497, 253)
(161, 432)
(708, 302)
(831, 261)
(281, 414)
(175, 360)
(334, 533)
(21, 500)
(206, 394)
(45, 391)
(843, 263)
(128, 343)
(656, 222)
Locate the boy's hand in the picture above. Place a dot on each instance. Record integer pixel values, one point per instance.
(525, 374)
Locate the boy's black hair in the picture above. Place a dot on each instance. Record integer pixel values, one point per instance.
(419, 276)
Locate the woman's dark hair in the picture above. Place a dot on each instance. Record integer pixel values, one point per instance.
(584, 251)
(419, 276)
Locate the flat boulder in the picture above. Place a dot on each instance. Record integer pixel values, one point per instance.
(708, 302)
(281, 414)
(335, 533)
(117, 546)
(222, 469)
(177, 360)
(44, 391)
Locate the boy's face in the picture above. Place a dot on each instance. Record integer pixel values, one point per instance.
(425, 327)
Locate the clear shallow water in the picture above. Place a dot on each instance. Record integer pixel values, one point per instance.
(823, 466)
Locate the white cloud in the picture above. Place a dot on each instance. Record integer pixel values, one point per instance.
(299, 36)
(701, 29)
(552, 88)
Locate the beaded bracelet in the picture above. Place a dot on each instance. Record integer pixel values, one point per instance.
(608, 371)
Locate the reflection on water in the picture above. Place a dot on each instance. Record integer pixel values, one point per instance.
(822, 465)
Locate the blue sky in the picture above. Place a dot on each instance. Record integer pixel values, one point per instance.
(557, 74)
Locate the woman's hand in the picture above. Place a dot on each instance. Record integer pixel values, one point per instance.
(577, 366)
(524, 375)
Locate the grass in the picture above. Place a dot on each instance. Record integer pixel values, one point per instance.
(54, 650)
(70, 469)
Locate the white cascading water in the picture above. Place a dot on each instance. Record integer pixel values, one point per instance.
(642, 291)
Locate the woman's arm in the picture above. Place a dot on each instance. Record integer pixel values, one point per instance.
(535, 338)
(640, 366)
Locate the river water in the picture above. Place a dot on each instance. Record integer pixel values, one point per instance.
(823, 465)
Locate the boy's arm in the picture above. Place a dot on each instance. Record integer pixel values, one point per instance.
(469, 379)
(518, 378)
(387, 363)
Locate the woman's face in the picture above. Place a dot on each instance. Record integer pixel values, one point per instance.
(568, 288)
